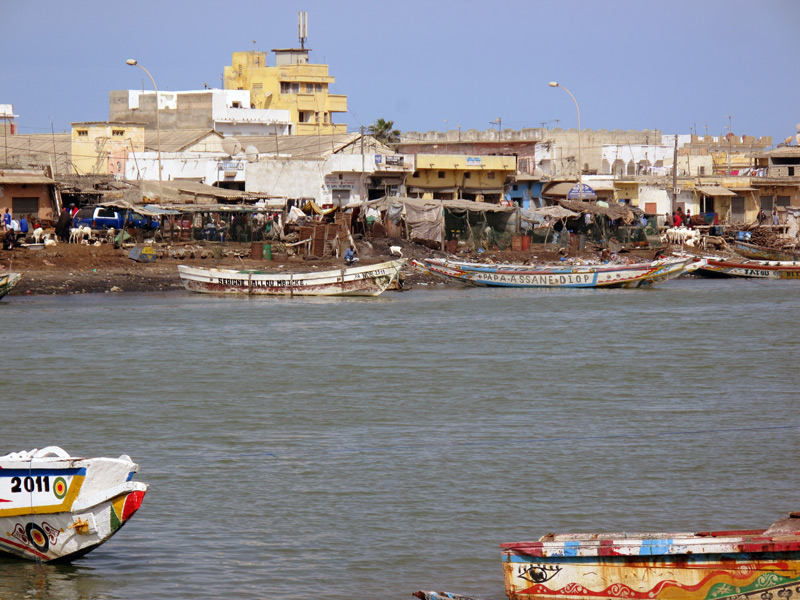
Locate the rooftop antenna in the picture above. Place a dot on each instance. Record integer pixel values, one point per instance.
(302, 28)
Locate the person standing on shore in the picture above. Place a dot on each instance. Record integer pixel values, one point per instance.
(775, 219)
(63, 224)
(6, 219)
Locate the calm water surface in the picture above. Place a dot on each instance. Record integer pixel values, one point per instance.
(306, 448)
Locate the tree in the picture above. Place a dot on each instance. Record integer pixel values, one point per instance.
(384, 132)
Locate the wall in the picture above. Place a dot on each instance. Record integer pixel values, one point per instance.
(287, 178)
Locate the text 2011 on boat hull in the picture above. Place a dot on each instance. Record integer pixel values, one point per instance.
(658, 566)
(57, 507)
(363, 280)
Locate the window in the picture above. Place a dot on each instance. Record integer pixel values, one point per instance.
(257, 88)
(117, 132)
(289, 88)
(236, 104)
(790, 171)
(415, 175)
(318, 87)
(702, 170)
(491, 175)
(83, 132)
(467, 175)
(309, 88)
(440, 174)
(240, 70)
(766, 203)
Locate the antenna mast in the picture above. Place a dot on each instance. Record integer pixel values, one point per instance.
(302, 28)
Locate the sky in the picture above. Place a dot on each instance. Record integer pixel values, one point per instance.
(679, 66)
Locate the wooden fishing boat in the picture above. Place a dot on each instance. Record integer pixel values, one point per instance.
(361, 280)
(57, 507)
(8, 281)
(657, 566)
(755, 252)
(559, 276)
(731, 267)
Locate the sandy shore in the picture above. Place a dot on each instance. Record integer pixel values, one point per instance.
(82, 269)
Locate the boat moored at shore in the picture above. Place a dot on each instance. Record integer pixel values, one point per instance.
(657, 566)
(362, 280)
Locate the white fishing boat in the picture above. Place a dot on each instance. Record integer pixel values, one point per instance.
(54, 506)
(628, 275)
(361, 280)
(8, 281)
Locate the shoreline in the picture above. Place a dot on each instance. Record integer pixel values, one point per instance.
(82, 269)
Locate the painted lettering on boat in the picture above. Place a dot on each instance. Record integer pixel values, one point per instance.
(261, 283)
(546, 279)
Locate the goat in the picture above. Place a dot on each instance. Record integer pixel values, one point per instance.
(396, 250)
(38, 234)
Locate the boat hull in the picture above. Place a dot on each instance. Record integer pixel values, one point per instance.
(750, 269)
(755, 252)
(57, 508)
(7, 282)
(580, 276)
(365, 280)
(683, 577)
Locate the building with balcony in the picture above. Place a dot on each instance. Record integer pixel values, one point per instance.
(293, 84)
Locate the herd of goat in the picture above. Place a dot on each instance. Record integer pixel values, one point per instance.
(77, 235)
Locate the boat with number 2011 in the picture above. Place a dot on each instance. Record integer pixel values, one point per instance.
(54, 506)
(632, 275)
(738, 565)
(363, 280)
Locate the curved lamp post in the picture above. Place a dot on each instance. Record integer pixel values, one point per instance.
(132, 62)
(580, 163)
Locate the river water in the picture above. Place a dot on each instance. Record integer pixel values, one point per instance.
(317, 448)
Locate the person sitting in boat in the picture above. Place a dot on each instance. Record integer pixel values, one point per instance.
(349, 256)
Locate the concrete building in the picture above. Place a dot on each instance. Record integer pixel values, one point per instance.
(230, 112)
(293, 84)
(334, 170)
(29, 192)
(459, 177)
(103, 148)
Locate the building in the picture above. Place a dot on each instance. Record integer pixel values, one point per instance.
(332, 170)
(293, 84)
(104, 147)
(230, 112)
(29, 193)
(460, 177)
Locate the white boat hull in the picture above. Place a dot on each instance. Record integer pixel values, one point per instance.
(363, 280)
(56, 507)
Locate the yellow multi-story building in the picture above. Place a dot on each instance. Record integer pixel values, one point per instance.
(104, 147)
(292, 84)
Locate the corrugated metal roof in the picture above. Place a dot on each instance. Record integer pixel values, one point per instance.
(39, 149)
(313, 146)
(175, 140)
(9, 178)
(714, 190)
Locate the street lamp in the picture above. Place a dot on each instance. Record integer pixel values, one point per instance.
(580, 164)
(132, 62)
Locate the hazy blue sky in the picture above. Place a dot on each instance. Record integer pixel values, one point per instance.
(673, 65)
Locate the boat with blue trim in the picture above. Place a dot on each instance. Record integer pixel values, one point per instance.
(611, 275)
(738, 565)
(54, 506)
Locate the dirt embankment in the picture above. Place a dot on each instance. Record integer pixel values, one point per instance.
(80, 269)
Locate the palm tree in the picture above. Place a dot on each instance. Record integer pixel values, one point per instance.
(383, 131)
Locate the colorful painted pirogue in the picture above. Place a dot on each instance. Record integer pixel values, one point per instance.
(558, 276)
(7, 282)
(57, 507)
(658, 566)
(756, 252)
(759, 269)
(362, 280)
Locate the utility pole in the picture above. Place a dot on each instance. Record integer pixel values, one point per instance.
(675, 175)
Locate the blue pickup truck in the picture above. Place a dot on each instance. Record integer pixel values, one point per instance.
(106, 217)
